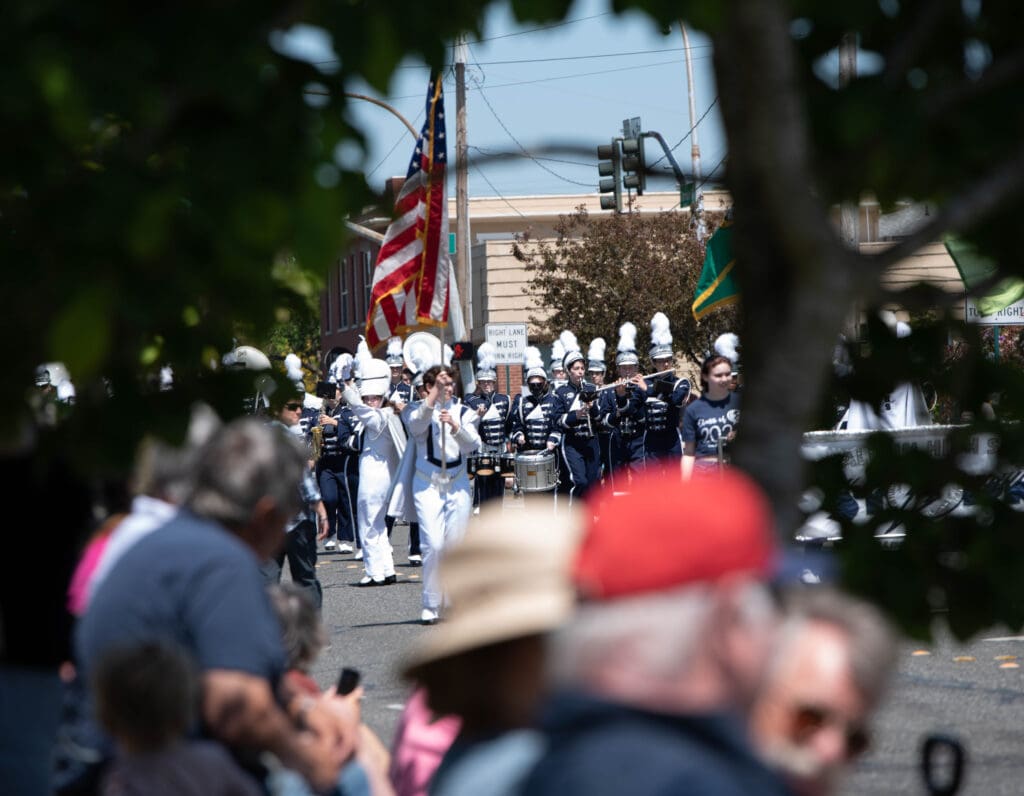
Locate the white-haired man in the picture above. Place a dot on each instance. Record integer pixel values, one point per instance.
(655, 674)
(830, 670)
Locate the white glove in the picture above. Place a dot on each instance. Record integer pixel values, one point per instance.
(351, 394)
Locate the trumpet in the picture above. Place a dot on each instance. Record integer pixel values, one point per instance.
(621, 382)
(316, 436)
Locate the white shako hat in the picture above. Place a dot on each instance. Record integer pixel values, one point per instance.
(572, 349)
(485, 362)
(394, 352)
(422, 357)
(557, 354)
(661, 336)
(627, 346)
(595, 355)
(533, 364)
(374, 377)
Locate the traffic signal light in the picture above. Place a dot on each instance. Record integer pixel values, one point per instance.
(633, 165)
(609, 166)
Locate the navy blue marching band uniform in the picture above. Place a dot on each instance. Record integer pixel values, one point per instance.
(581, 456)
(534, 421)
(338, 476)
(627, 440)
(534, 416)
(663, 406)
(494, 421)
(665, 399)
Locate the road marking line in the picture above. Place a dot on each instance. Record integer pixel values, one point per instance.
(918, 653)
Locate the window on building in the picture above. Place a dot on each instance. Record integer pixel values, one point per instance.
(328, 317)
(344, 266)
(367, 281)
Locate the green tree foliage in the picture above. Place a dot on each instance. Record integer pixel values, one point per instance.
(160, 160)
(600, 272)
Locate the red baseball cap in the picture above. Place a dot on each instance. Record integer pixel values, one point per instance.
(666, 532)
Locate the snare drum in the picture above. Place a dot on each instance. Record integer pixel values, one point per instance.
(486, 463)
(536, 471)
(507, 461)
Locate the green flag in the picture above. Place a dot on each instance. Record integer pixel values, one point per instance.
(716, 288)
(975, 268)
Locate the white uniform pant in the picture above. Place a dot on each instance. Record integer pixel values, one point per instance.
(443, 517)
(377, 559)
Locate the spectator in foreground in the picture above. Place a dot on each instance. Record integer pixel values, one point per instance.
(508, 583)
(196, 581)
(829, 672)
(147, 699)
(304, 638)
(656, 672)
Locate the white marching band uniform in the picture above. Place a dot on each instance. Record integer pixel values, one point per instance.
(378, 463)
(442, 496)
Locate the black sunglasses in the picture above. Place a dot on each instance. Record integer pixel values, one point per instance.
(809, 719)
(292, 407)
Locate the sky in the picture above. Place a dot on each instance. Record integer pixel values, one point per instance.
(531, 87)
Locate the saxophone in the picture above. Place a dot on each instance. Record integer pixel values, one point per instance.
(316, 435)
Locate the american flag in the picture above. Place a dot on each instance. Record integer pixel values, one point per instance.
(410, 281)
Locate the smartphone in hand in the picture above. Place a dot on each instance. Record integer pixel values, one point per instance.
(347, 681)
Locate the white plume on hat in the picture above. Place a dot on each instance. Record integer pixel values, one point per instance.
(166, 377)
(597, 348)
(485, 354)
(534, 363)
(446, 355)
(293, 366)
(558, 351)
(568, 341)
(341, 369)
(394, 352)
(728, 345)
(363, 355)
(661, 333)
(421, 356)
(627, 337)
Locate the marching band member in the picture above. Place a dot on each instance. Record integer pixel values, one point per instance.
(579, 416)
(630, 400)
(338, 467)
(493, 409)
(666, 397)
(710, 421)
(607, 408)
(378, 463)
(534, 421)
(444, 431)
(400, 502)
(557, 366)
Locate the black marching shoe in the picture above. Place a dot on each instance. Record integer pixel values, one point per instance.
(368, 581)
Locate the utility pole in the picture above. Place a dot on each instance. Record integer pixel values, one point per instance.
(697, 208)
(462, 259)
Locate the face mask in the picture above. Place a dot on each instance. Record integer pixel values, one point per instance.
(536, 389)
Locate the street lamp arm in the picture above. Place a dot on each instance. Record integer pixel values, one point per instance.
(385, 106)
(668, 154)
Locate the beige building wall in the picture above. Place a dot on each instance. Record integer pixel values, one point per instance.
(500, 283)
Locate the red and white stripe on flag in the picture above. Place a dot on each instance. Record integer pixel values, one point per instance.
(410, 280)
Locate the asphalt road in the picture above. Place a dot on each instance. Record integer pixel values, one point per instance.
(973, 692)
